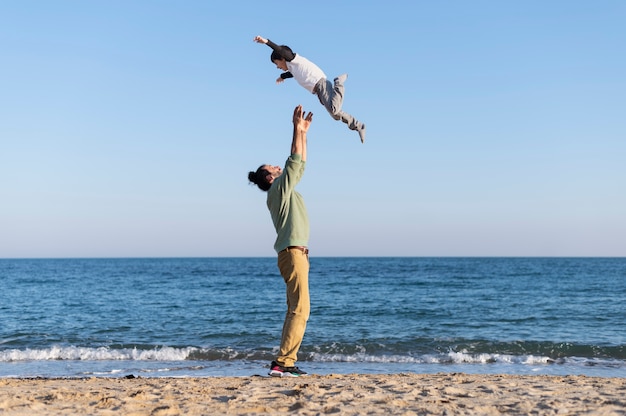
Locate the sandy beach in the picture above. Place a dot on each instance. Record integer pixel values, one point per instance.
(352, 394)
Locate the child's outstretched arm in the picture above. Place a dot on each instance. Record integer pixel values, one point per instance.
(285, 53)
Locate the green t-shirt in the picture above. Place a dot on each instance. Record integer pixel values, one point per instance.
(287, 208)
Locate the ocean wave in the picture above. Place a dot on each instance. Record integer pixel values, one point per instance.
(96, 354)
(358, 354)
(449, 358)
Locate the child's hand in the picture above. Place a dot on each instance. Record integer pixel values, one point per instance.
(279, 80)
(259, 39)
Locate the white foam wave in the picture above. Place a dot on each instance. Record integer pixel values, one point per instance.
(181, 354)
(465, 358)
(96, 354)
(449, 358)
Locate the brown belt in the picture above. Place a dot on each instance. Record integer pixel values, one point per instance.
(303, 249)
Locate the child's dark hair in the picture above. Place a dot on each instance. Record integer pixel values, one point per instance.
(285, 53)
(259, 178)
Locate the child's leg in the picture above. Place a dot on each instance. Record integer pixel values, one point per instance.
(336, 94)
(331, 97)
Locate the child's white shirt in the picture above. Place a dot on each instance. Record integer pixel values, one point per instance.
(305, 72)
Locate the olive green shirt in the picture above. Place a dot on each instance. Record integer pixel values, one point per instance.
(287, 208)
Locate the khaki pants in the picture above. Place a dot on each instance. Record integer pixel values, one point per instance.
(294, 267)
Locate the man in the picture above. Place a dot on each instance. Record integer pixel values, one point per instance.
(291, 222)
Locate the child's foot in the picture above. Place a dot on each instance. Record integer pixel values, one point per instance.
(361, 131)
(341, 79)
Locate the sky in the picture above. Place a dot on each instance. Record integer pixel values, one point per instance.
(494, 128)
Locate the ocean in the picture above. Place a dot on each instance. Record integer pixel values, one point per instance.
(205, 317)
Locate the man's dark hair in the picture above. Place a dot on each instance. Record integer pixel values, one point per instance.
(259, 178)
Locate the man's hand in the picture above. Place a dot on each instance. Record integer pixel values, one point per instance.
(300, 122)
(301, 125)
(259, 39)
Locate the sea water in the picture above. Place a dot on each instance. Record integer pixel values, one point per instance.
(199, 317)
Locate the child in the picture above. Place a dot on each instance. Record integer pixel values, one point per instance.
(311, 77)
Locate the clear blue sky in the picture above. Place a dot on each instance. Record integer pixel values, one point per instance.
(495, 128)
